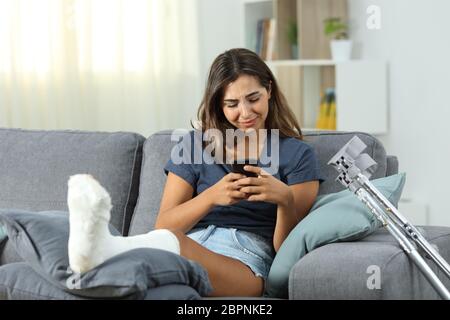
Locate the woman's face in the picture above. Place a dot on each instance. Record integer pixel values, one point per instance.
(246, 103)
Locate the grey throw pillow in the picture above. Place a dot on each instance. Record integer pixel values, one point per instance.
(2, 233)
(18, 281)
(41, 240)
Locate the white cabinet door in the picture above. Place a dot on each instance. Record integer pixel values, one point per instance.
(361, 97)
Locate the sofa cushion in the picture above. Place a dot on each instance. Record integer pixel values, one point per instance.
(157, 149)
(41, 239)
(8, 253)
(334, 217)
(35, 167)
(373, 268)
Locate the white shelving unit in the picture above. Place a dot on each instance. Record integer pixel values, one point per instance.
(304, 62)
(253, 11)
(360, 86)
(361, 96)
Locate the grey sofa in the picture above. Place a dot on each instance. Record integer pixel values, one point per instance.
(35, 167)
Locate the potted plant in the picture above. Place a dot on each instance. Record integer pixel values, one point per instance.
(341, 46)
(292, 32)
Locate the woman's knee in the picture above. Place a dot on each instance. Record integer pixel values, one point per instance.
(180, 235)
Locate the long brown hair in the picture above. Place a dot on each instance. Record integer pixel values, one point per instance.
(226, 68)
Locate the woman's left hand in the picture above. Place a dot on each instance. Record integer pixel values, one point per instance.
(265, 187)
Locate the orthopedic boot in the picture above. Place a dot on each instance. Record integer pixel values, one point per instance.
(90, 242)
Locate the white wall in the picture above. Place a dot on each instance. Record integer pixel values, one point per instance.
(414, 40)
(220, 24)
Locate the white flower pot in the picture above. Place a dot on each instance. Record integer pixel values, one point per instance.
(341, 50)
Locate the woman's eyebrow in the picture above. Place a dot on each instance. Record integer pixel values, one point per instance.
(247, 96)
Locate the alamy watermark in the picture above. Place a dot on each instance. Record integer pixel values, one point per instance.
(374, 20)
(208, 147)
(374, 280)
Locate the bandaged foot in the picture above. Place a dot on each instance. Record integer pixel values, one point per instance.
(90, 242)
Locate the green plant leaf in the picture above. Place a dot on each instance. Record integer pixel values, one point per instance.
(333, 26)
(292, 32)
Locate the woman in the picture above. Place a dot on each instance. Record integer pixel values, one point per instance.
(241, 93)
(229, 223)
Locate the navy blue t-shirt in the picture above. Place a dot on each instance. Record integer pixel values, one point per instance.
(297, 163)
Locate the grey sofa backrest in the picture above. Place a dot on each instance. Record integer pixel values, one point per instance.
(35, 167)
(327, 144)
(156, 153)
(157, 150)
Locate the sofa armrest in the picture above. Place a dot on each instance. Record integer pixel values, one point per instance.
(391, 165)
(372, 268)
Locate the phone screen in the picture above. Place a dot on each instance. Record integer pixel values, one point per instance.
(239, 167)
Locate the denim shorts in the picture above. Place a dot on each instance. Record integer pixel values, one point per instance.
(253, 250)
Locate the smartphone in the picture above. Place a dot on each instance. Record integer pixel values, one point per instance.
(239, 167)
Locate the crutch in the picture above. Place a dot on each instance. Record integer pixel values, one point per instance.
(354, 169)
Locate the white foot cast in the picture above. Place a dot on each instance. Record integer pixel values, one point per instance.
(90, 242)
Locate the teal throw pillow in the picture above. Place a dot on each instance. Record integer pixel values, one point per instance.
(334, 217)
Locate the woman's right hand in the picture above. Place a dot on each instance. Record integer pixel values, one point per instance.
(226, 191)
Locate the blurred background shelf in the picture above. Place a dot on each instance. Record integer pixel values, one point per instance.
(360, 86)
(304, 62)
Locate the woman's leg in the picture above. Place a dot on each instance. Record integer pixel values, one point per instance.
(90, 242)
(228, 276)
